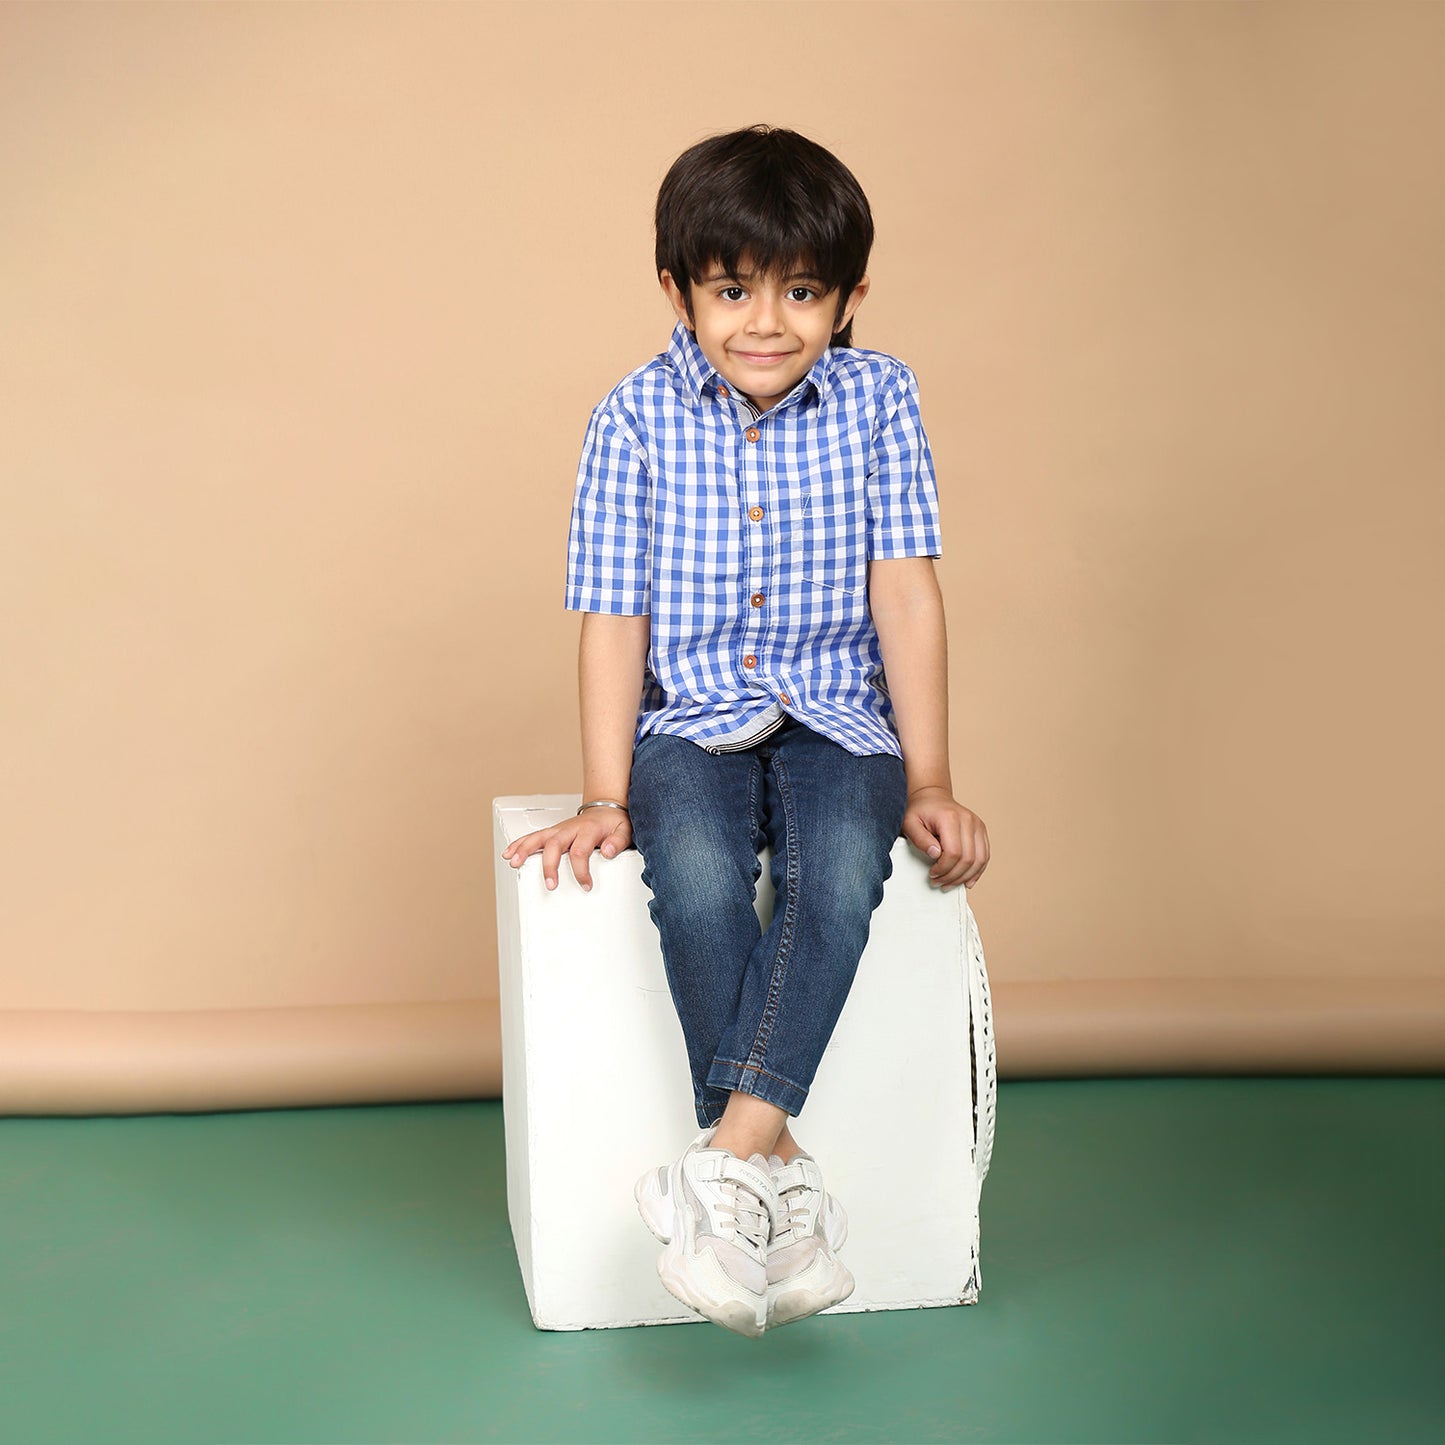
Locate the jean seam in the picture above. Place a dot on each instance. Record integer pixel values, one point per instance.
(759, 1069)
(758, 1052)
(761, 1084)
(754, 773)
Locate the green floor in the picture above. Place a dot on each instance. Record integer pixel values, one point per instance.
(1163, 1260)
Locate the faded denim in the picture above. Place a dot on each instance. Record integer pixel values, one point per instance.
(758, 1007)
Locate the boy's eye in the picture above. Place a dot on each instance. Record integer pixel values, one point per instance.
(732, 293)
(801, 293)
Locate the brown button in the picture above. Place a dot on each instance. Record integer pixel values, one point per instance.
(783, 697)
(750, 661)
(723, 392)
(752, 434)
(757, 599)
(756, 513)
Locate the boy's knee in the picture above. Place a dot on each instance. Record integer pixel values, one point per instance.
(856, 888)
(697, 867)
(847, 872)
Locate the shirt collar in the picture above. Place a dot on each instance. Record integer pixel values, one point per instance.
(698, 373)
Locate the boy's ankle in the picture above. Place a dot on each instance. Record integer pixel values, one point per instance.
(740, 1147)
(737, 1149)
(787, 1148)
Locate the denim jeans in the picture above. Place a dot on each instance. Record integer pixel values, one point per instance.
(758, 1007)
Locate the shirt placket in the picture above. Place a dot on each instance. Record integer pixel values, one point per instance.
(757, 503)
(757, 497)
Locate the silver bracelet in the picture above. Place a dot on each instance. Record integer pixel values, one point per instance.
(601, 803)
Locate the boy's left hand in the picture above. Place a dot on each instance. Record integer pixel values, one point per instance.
(952, 836)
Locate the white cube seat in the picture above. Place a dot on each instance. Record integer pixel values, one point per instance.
(595, 1088)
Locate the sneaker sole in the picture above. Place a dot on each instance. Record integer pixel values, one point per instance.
(831, 1287)
(659, 1214)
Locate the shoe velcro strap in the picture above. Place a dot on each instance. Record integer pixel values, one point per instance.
(800, 1173)
(754, 1180)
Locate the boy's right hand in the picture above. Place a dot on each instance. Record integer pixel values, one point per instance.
(609, 829)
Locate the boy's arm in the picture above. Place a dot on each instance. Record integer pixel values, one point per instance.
(907, 609)
(610, 660)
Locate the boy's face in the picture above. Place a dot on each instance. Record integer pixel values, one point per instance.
(762, 333)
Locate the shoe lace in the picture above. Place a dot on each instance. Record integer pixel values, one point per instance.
(748, 1215)
(798, 1204)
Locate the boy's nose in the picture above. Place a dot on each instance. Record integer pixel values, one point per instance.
(763, 316)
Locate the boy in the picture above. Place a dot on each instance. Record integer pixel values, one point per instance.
(762, 661)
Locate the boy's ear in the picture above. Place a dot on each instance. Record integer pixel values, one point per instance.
(676, 296)
(854, 301)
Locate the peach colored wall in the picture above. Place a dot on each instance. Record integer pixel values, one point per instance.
(303, 311)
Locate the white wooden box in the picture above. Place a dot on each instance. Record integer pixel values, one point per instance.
(595, 1088)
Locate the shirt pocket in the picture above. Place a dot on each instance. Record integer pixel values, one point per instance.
(833, 536)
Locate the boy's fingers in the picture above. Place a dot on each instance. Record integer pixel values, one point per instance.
(978, 856)
(520, 849)
(980, 862)
(577, 842)
(956, 874)
(950, 835)
(975, 857)
(918, 833)
(551, 857)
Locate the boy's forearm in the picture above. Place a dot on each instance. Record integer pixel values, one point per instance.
(907, 609)
(610, 661)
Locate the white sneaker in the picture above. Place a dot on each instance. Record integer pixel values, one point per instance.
(805, 1274)
(715, 1213)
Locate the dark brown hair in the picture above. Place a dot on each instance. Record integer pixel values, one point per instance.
(771, 196)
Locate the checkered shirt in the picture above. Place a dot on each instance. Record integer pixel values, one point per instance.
(747, 538)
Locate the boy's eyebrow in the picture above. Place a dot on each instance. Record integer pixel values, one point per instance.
(718, 274)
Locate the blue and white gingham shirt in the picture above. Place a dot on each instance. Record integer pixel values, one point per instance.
(747, 538)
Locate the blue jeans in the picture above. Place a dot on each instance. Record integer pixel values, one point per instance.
(758, 1008)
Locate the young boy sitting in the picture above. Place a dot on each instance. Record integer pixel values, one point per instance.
(762, 661)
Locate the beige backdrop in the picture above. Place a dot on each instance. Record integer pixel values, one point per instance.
(304, 308)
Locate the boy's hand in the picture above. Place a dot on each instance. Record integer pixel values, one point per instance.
(948, 833)
(606, 828)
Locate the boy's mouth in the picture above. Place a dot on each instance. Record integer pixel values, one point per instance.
(762, 358)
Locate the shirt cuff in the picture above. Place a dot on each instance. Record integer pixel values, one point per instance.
(616, 601)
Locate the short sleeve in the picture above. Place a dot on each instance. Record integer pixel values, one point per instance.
(609, 562)
(901, 490)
